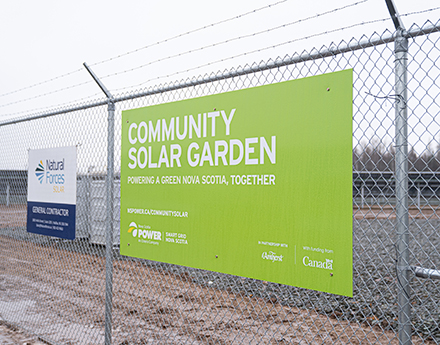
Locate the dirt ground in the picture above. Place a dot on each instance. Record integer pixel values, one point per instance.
(10, 335)
(59, 295)
(389, 212)
(14, 215)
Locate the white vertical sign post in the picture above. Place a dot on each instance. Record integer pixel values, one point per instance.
(52, 192)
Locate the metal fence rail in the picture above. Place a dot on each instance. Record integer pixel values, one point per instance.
(81, 292)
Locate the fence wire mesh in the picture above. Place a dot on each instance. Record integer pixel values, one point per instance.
(56, 288)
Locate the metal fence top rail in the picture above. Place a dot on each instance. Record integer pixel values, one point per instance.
(332, 50)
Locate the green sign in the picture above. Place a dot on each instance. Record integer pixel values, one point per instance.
(255, 183)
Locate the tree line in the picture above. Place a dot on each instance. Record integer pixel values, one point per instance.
(375, 156)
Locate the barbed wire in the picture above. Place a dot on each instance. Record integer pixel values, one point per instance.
(176, 55)
(253, 52)
(46, 94)
(41, 83)
(284, 43)
(90, 98)
(145, 47)
(420, 12)
(234, 39)
(203, 65)
(189, 32)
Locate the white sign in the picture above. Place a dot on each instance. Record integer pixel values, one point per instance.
(52, 192)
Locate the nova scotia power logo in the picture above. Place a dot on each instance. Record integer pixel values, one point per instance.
(39, 172)
(132, 229)
(144, 233)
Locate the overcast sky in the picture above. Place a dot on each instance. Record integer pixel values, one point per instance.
(136, 44)
(45, 39)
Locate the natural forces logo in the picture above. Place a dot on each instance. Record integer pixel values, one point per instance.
(39, 172)
(53, 174)
(144, 232)
(326, 265)
(272, 256)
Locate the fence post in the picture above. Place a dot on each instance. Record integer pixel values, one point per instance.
(88, 201)
(419, 193)
(362, 196)
(109, 222)
(403, 267)
(109, 209)
(8, 194)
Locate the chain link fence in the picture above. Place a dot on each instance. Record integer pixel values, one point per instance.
(83, 292)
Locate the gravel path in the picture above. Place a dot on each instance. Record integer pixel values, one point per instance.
(374, 287)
